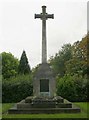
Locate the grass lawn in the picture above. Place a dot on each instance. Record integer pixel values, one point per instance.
(6, 106)
(82, 105)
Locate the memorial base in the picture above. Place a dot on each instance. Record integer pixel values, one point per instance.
(35, 105)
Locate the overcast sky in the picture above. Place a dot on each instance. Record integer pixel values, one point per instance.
(20, 31)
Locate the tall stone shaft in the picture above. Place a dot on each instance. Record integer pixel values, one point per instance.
(44, 16)
(44, 45)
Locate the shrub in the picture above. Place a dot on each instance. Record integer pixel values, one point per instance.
(66, 88)
(16, 88)
(73, 88)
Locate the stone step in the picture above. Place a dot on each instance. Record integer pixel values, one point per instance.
(64, 105)
(43, 101)
(46, 105)
(44, 110)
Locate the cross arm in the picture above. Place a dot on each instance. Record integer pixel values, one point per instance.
(50, 16)
(38, 16)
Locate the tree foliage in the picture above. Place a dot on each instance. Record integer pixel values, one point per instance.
(9, 65)
(72, 59)
(78, 63)
(71, 66)
(58, 61)
(24, 67)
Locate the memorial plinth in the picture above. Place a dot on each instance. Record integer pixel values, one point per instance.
(44, 84)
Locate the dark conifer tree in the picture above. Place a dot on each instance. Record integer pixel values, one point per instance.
(24, 67)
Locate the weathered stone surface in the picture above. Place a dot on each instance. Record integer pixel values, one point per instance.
(29, 99)
(25, 106)
(44, 16)
(44, 110)
(43, 100)
(44, 72)
(64, 105)
(44, 82)
(43, 105)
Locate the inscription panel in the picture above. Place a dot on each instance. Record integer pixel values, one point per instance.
(44, 85)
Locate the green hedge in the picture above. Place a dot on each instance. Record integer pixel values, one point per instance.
(73, 88)
(16, 89)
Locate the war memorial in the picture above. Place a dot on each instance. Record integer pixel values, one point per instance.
(44, 99)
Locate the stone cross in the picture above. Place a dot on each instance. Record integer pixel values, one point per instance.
(44, 16)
